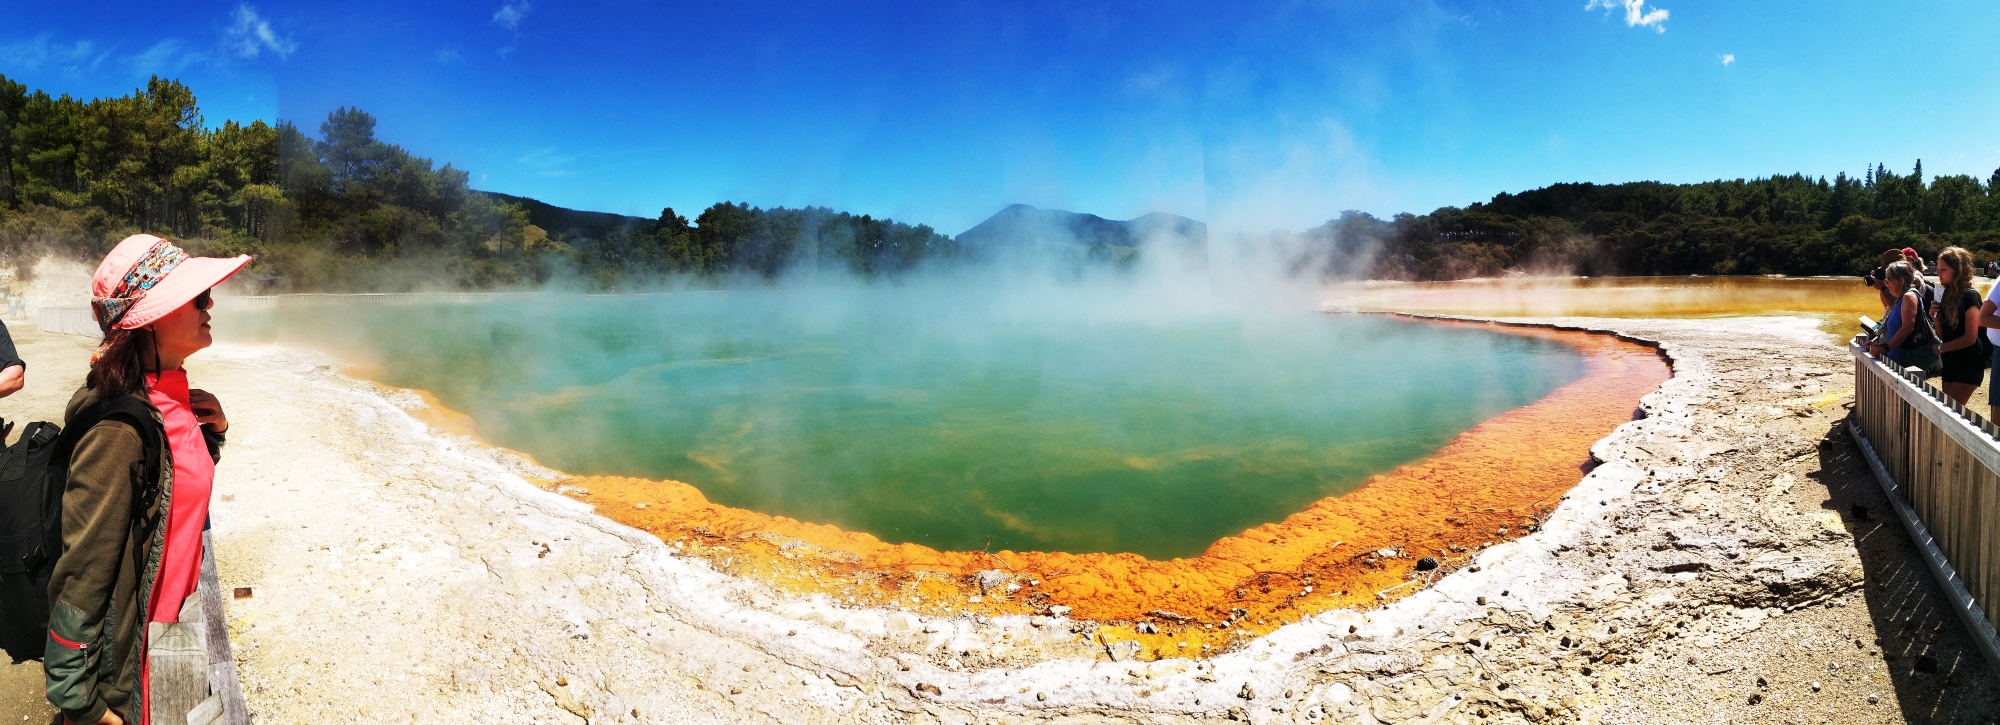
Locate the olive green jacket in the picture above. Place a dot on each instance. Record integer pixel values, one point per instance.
(113, 532)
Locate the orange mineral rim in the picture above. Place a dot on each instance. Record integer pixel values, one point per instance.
(1487, 485)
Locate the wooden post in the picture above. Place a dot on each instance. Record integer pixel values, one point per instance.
(177, 665)
(192, 673)
(221, 658)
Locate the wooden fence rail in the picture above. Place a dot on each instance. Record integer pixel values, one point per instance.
(193, 669)
(1939, 463)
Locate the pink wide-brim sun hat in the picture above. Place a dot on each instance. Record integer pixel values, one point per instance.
(183, 283)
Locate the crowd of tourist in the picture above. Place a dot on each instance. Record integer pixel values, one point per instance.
(1940, 327)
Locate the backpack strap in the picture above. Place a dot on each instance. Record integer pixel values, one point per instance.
(87, 418)
(56, 476)
(141, 417)
(1924, 335)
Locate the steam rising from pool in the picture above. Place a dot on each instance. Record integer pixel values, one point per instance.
(1132, 414)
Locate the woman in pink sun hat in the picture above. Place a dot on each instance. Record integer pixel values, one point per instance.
(135, 499)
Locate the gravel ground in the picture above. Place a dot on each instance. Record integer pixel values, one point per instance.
(56, 365)
(1713, 568)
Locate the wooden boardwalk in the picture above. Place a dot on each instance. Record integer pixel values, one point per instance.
(1939, 463)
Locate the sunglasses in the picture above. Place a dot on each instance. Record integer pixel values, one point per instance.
(204, 300)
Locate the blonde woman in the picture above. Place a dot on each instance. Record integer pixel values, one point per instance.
(1957, 316)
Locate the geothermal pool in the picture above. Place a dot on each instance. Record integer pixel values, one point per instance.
(1835, 301)
(961, 421)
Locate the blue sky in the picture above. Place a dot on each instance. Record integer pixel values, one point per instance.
(1252, 116)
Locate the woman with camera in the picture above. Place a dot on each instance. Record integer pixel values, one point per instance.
(1907, 338)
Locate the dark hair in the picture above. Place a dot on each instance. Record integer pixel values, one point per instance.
(120, 370)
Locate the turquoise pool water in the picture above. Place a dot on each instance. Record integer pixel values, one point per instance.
(947, 419)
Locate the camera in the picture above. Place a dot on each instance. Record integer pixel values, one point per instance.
(1874, 277)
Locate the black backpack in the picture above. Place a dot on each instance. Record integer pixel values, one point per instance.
(1924, 336)
(32, 475)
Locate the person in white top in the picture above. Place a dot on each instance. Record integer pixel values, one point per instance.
(1990, 320)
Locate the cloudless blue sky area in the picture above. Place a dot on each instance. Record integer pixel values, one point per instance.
(1253, 116)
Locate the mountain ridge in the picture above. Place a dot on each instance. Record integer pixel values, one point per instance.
(566, 221)
(1021, 229)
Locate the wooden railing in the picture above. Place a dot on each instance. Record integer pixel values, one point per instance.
(192, 667)
(1939, 463)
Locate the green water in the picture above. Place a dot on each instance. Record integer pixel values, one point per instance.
(950, 422)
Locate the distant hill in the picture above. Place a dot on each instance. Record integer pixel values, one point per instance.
(569, 223)
(1023, 229)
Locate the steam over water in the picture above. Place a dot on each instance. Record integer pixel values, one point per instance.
(948, 417)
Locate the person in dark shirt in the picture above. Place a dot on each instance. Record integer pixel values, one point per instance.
(1956, 318)
(15, 372)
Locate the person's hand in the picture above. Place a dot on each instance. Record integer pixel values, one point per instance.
(208, 410)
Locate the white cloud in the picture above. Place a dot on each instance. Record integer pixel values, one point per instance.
(85, 59)
(546, 162)
(511, 12)
(1728, 59)
(43, 53)
(166, 58)
(1636, 13)
(253, 34)
(449, 55)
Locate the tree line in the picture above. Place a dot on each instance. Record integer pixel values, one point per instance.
(344, 210)
(348, 211)
(1794, 225)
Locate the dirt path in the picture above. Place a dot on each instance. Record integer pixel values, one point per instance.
(56, 364)
(400, 574)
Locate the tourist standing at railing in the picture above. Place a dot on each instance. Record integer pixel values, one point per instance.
(1956, 317)
(1907, 338)
(136, 498)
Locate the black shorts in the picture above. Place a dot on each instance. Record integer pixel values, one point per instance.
(1965, 366)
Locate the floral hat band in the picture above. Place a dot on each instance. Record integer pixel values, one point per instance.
(111, 309)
